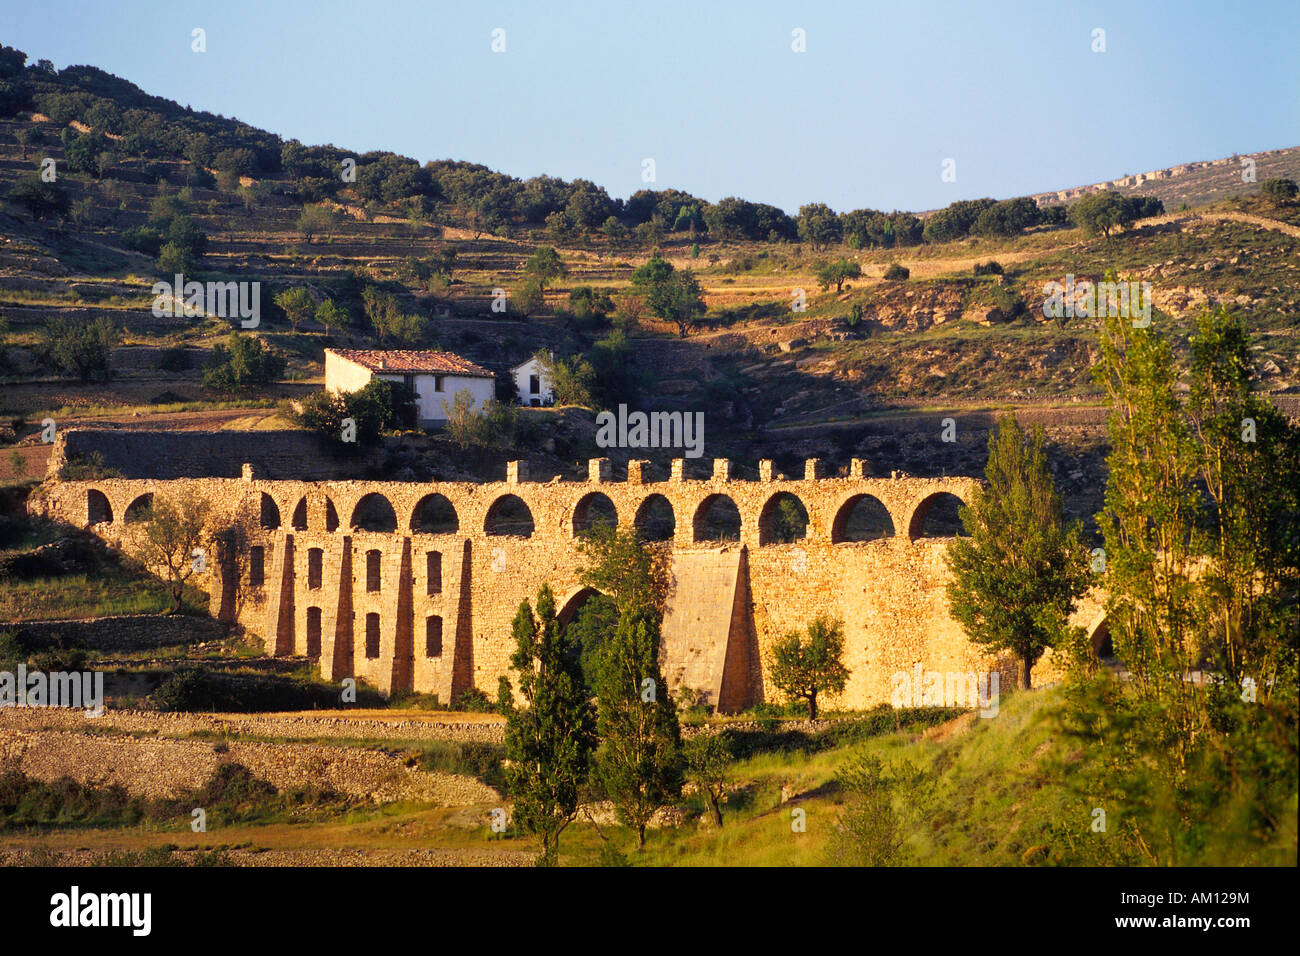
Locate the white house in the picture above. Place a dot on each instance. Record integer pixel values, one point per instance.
(534, 383)
(436, 377)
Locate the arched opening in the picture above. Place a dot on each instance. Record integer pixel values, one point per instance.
(655, 520)
(717, 519)
(434, 514)
(576, 602)
(783, 520)
(509, 516)
(270, 513)
(331, 516)
(374, 512)
(313, 632)
(862, 518)
(433, 636)
(593, 511)
(140, 509)
(1102, 648)
(937, 517)
(299, 519)
(98, 510)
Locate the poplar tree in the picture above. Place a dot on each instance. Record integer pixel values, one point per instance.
(1016, 576)
(640, 763)
(550, 738)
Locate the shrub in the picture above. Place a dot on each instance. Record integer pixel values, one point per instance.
(80, 348)
(242, 363)
(990, 268)
(895, 271)
(473, 700)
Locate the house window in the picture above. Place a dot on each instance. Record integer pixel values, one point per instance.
(437, 382)
(315, 562)
(534, 385)
(433, 637)
(433, 561)
(372, 570)
(313, 632)
(256, 567)
(372, 636)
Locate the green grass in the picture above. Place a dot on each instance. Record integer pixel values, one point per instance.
(113, 592)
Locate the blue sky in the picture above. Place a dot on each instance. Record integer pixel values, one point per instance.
(714, 93)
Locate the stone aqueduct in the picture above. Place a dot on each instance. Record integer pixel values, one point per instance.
(413, 586)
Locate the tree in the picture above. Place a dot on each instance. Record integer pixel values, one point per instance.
(708, 757)
(809, 668)
(1007, 218)
(81, 348)
(573, 378)
(529, 298)
(836, 273)
(550, 738)
(1279, 190)
(40, 199)
(1016, 577)
(639, 764)
(672, 295)
(1101, 212)
(172, 534)
(544, 265)
(681, 300)
(818, 225)
(296, 304)
(1249, 467)
(1151, 509)
(490, 425)
(380, 406)
(331, 315)
(314, 220)
(242, 363)
(388, 317)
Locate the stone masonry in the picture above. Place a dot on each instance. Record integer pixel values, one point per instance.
(406, 609)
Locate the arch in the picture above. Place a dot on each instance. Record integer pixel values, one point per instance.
(593, 510)
(374, 512)
(98, 510)
(139, 509)
(573, 604)
(783, 520)
(655, 520)
(435, 514)
(861, 518)
(717, 519)
(269, 515)
(313, 632)
(1099, 640)
(509, 515)
(299, 519)
(936, 517)
(331, 516)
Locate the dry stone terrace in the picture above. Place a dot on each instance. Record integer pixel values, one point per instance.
(413, 586)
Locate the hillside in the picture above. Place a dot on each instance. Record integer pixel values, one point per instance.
(867, 371)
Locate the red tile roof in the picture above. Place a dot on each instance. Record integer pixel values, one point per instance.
(409, 361)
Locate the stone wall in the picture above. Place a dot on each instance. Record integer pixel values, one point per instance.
(329, 582)
(127, 632)
(193, 454)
